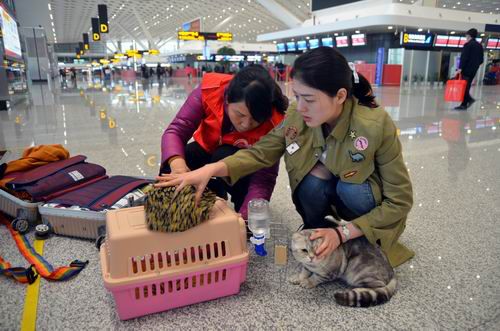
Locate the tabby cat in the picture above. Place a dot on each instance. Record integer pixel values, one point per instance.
(357, 262)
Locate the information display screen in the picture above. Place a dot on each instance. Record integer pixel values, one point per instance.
(342, 41)
(416, 39)
(328, 42)
(301, 45)
(453, 41)
(11, 41)
(281, 47)
(441, 41)
(358, 39)
(462, 42)
(492, 43)
(290, 46)
(194, 35)
(313, 43)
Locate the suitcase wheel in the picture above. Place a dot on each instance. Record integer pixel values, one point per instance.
(42, 231)
(20, 225)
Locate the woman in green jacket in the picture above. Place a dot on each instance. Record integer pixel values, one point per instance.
(342, 155)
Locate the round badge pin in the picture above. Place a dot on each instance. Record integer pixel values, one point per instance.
(361, 143)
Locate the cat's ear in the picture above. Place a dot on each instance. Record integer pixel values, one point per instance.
(306, 233)
(316, 243)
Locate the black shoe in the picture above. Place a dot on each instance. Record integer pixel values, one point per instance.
(461, 107)
(471, 102)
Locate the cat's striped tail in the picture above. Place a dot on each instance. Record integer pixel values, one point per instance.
(366, 297)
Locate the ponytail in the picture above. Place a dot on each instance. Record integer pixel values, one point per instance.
(280, 101)
(363, 92)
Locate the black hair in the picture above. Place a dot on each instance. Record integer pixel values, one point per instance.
(472, 33)
(258, 90)
(325, 69)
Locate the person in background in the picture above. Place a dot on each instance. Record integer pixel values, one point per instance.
(224, 114)
(470, 60)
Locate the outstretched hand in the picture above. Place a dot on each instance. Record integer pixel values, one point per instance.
(198, 178)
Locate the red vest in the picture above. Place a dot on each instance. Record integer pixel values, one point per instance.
(208, 134)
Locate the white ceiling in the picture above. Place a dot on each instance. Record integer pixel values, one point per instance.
(158, 19)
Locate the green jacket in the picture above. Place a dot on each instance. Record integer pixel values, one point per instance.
(363, 146)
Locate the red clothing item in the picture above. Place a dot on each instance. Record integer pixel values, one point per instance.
(209, 134)
(190, 118)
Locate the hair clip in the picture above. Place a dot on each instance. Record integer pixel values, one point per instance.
(355, 74)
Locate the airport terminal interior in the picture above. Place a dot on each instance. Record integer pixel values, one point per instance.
(106, 78)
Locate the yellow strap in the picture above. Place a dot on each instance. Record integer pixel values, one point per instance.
(28, 323)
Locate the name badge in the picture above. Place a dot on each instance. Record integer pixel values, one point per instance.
(292, 148)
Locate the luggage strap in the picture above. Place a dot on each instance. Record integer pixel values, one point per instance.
(44, 171)
(101, 195)
(38, 263)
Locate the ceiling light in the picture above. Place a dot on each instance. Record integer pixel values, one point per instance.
(444, 6)
(357, 31)
(458, 3)
(390, 27)
(335, 34)
(51, 17)
(452, 32)
(50, 8)
(420, 29)
(308, 37)
(274, 41)
(482, 34)
(468, 4)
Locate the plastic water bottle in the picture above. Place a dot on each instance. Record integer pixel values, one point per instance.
(259, 219)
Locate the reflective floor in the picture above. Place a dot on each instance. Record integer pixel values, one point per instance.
(453, 158)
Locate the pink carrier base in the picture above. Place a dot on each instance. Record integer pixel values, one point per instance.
(156, 296)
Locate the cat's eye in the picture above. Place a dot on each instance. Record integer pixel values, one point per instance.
(304, 251)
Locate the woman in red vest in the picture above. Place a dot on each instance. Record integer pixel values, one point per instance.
(224, 114)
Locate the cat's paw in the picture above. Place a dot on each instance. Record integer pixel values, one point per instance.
(294, 279)
(307, 283)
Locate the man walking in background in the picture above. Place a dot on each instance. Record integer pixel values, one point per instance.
(470, 60)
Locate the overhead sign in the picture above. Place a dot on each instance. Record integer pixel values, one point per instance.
(492, 43)
(358, 39)
(86, 41)
(441, 40)
(313, 43)
(96, 35)
(102, 10)
(323, 4)
(342, 41)
(416, 39)
(194, 35)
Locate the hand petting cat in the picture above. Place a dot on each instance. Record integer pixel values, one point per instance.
(330, 242)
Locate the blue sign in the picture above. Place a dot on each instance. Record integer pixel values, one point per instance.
(328, 42)
(313, 43)
(280, 47)
(301, 45)
(380, 65)
(290, 46)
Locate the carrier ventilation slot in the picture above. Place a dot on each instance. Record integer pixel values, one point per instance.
(181, 284)
(185, 256)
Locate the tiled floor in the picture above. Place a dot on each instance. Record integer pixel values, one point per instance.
(453, 158)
